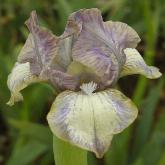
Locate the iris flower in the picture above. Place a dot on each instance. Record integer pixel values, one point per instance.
(84, 64)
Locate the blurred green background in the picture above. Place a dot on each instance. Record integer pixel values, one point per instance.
(25, 138)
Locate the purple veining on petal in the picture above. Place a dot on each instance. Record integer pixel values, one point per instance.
(63, 80)
(87, 39)
(60, 116)
(40, 47)
(91, 48)
(98, 40)
(101, 114)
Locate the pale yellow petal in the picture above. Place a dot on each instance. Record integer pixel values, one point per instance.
(19, 78)
(89, 120)
(136, 65)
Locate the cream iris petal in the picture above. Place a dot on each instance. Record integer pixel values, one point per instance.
(19, 78)
(89, 120)
(136, 65)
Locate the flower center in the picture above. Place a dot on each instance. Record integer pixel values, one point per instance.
(88, 88)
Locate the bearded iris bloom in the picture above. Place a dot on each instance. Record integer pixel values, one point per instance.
(84, 64)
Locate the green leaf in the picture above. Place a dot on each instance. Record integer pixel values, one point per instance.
(118, 149)
(146, 119)
(152, 151)
(67, 154)
(33, 130)
(27, 153)
(162, 159)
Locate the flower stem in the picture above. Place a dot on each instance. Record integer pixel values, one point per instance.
(67, 154)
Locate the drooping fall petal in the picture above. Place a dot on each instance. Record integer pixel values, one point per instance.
(19, 78)
(89, 120)
(100, 44)
(136, 65)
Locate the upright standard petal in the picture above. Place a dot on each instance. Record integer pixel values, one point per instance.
(89, 120)
(100, 44)
(136, 65)
(66, 41)
(18, 79)
(64, 51)
(40, 47)
(121, 34)
(49, 56)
